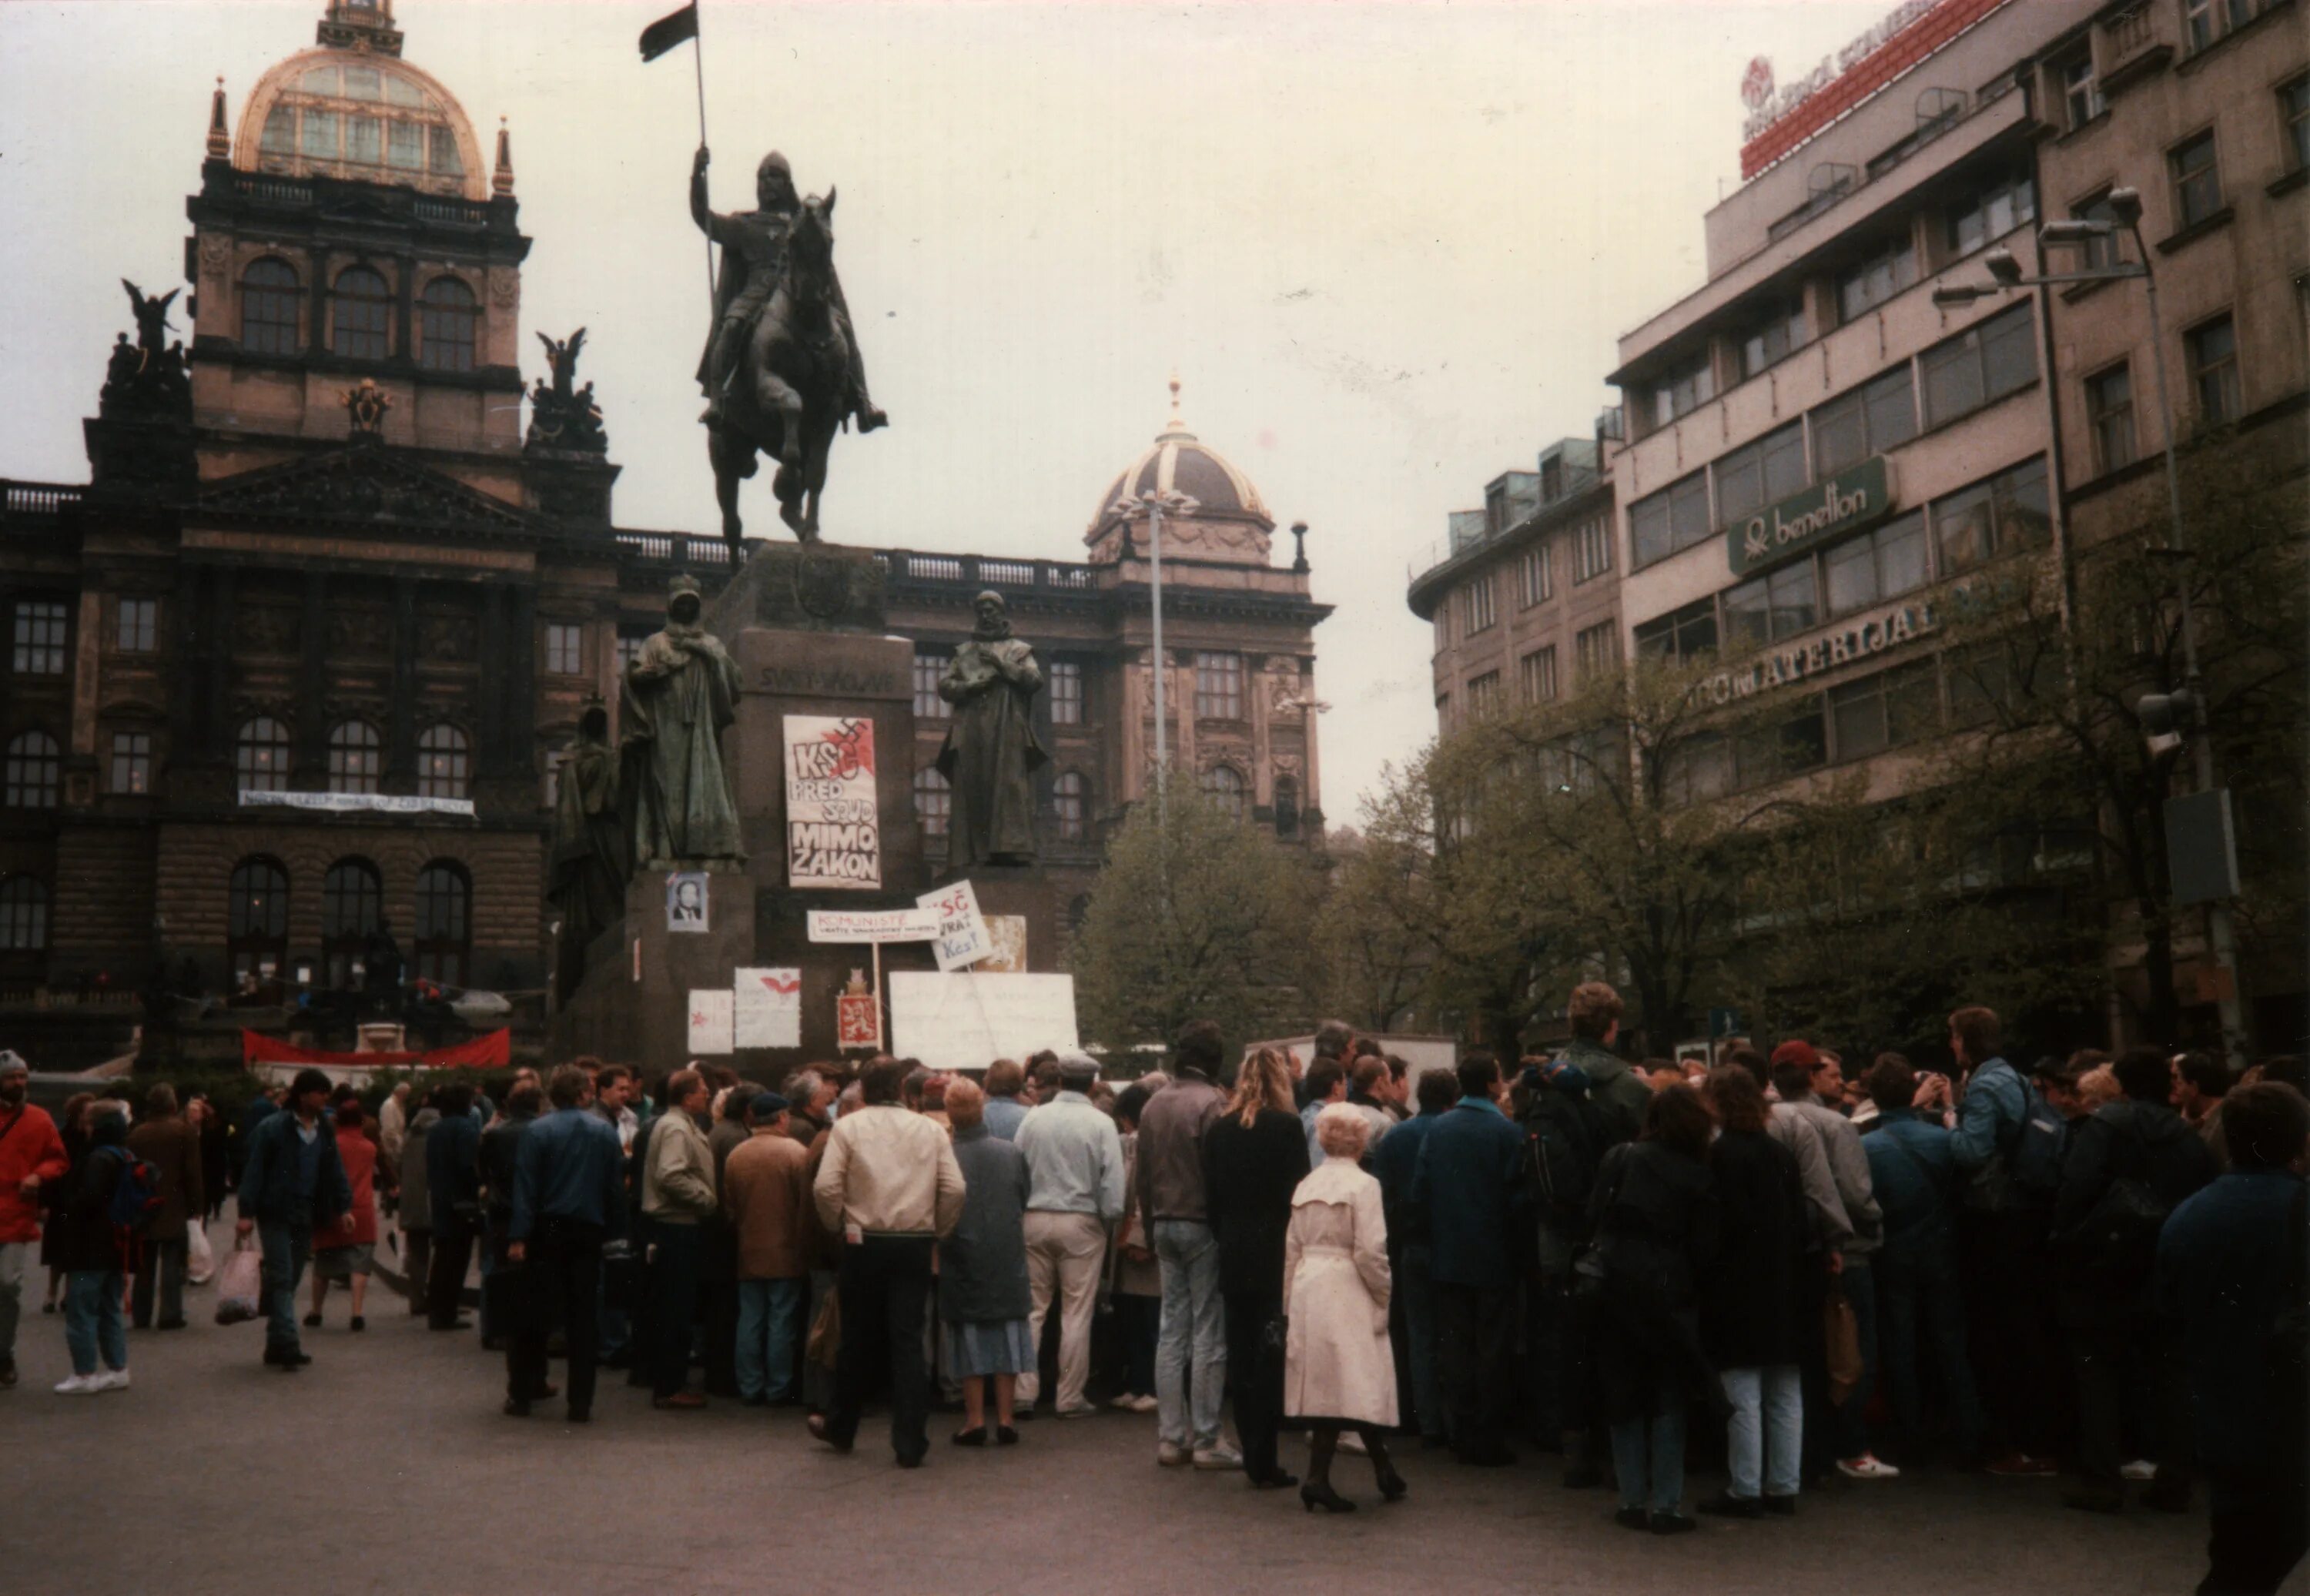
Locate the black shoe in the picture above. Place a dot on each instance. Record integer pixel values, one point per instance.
(453, 1324)
(974, 1437)
(312, 1322)
(179, 1324)
(1728, 1506)
(7, 1372)
(359, 1323)
(909, 1460)
(1278, 1481)
(1313, 1496)
(1392, 1487)
(581, 1416)
(516, 1407)
(1786, 1507)
(1004, 1435)
(1672, 1523)
(1633, 1518)
(2095, 1500)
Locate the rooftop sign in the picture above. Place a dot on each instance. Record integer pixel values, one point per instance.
(1778, 122)
(1846, 502)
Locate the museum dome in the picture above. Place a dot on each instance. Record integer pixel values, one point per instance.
(1178, 461)
(352, 107)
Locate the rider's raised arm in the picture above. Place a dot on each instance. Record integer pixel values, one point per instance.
(713, 226)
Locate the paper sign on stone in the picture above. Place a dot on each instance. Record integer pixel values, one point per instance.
(710, 1010)
(833, 829)
(768, 1008)
(874, 925)
(1009, 934)
(963, 938)
(967, 1020)
(857, 1020)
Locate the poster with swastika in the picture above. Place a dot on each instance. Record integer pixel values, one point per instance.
(833, 829)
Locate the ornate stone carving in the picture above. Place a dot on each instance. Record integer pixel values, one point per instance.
(505, 287)
(561, 415)
(267, 630)
(363, 634)
(449, 639)
(361, 484)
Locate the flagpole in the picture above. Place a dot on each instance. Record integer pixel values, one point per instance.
(698, 58)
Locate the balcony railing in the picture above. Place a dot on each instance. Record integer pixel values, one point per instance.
(986, 570)
(37, 501)
(672, 548)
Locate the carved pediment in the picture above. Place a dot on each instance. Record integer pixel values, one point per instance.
(364, 484)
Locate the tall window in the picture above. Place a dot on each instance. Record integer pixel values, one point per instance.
(1478, 609)
(260, 756)
(448, 315)
(1071, 803)
(444, 944)
(2208, 20)
(1780, 330)
(2294, 118)
(356, 758)
(1879, 416)
(442, 762)
(1223, 785)
(136, 626)
(1981, 364)
(1674, 518)
(1681, 635)
(1763, 473)
(1536, 675)
(1597, 649)
(1286, 808)
(132, 763)
(629, 649)
(1991, 213)
(2099, 252)
(929, 666)
(2082, 99)
(32, 772)
(1066, 692)
(1876, 277)
(2109, 414)
(565, 649)
(23, 914)
(38, 638)
(933, 800)
(362, 309)
(1884, 710)
(268, 307)
(1535, 577)
(256, 918)
(1218, 687)
(1484, 693)
(1779, 604)
(1684, 388)
(353, 901)
(2212, 349)
(1592, 550)
(1878, 565)
(2008, 511)
(2197, 179)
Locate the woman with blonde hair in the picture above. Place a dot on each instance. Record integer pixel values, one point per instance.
(1254, 1156)
(1339, 1369)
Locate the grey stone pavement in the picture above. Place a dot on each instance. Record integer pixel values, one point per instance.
(386, 1466)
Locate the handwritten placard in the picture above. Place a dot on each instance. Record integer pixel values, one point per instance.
(874, 925)
(963, 936)
(768, 1008)
(833, 830)
(966, 1020)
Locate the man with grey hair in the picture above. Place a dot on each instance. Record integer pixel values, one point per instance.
(1075, 1175)
(32, 1155)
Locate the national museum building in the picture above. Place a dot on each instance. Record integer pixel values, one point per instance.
(299, 660)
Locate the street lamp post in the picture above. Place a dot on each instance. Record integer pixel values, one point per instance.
(1150, 506)
(2125, 216)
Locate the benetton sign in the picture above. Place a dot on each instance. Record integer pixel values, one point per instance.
(1846, 502)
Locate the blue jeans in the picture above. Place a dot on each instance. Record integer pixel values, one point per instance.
(1767, 1429)
(1919, 1292)
(287, 1247)
(1849, 1428)
(769, 1319)
(1648, 1455)
(1191, 1347)
(92, 1318)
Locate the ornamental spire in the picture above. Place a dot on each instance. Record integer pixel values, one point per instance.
(220, 145)
(501, 176)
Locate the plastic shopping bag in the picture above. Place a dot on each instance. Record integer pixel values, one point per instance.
(200, 1258)
(240, 1285)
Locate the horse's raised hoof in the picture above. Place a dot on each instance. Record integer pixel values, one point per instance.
(792, 518)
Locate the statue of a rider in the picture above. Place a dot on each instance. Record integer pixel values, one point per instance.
(754, 253)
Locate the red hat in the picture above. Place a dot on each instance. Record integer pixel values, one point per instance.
(1796, 1051)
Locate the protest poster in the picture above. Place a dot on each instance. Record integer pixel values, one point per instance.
(768, 1008)
(833, 829)
(710, 1015)
(963, 938)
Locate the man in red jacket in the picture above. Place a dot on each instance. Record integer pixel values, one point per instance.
(31, 1155)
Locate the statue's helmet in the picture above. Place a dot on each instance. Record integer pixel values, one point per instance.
(684, 590)
(774, 165)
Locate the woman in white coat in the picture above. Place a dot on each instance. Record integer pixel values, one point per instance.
(1338, 1368)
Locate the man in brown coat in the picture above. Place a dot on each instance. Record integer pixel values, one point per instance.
(765, 1194)
(172, 1146)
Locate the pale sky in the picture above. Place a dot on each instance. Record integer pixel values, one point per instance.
(1387, 249)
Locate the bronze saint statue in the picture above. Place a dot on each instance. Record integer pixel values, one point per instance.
(679, 692)
(782, 370)
(588, 881)
(990, 755)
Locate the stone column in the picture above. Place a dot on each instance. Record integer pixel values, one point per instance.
(490, 705)
(216, 736)
(88, 641)
(404, 313)
(401, 756)
(310, 769)
(1263, 757)
(521, 681)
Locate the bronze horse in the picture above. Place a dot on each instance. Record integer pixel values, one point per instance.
(789, 394)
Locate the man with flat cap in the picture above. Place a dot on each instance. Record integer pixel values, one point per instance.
(766, 1195)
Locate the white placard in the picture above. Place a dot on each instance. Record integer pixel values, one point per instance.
(711, 1013)
(963, 938)
(768, 1011)
(874, 925)
(967, 1020)
(833, 829)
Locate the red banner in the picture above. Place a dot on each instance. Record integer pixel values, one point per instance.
(1922, 37)
(491, 1052)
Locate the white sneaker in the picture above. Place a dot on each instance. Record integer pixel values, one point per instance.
(1170, 1455)
(1144, 1404)
(2141, 1468)
(1867, 1466)
(111, 1380)
(1124, 1403)
(1215, 1459)
(78, 1385)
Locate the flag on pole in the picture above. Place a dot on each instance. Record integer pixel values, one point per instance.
(677, 28)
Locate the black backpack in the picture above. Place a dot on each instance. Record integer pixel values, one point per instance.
(1565, 1140)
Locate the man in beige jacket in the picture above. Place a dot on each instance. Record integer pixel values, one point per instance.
(677, 1192)
(890, 1187)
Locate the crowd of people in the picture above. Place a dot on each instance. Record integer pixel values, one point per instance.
(2095, 1264)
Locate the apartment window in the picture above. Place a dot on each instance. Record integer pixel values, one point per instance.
(928, 668)
(2080, 91)
(1992, 213)
(2099, 252)
(1071, 803)
(1782, 330)
(1592, 550)
(1477, 610)
(136, 626)
(1223, 785)
(450, 315)
(268, 307)
(2212, 349)
(565, 649)
(443, 761)
(2197, 179)
(445, 918)
(1681, 635)
(1674, 518)
(933, 800)
(1682, 389)
(1286, 808)
(356, 756)
(1875, 566)
(260, 756)
(1981, 364)
(23, 916)
(132, 762)
(1066, 692)
(1879, 416)
(2008, 511)
(33, 770)
(256, 918)
(361, 306)
(39, 639)
(1764, 472)
(1877, 278)
(1535, 577)
(2109, 416)
(2208, 20)
(353, 901)
(1536, 675)
(2293, 117)
(1883, 711)
(1597, 649)
(1779, 606)
(1219, 684)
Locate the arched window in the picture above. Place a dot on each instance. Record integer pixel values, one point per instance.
(268, 307)
(1071, 801)
(32, 773)
(441, 762)
(1223, 785)
(933, 800)
(256, 918)
(356, 756)
(444, 947)
(23, 914)
(362, 315)
(260, 756)
(352, 902)
(1286, 808)
(449, 319)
